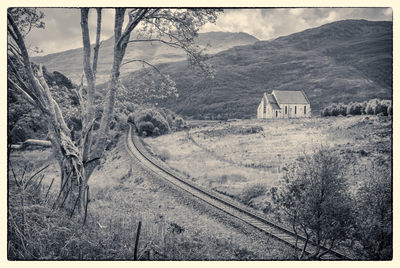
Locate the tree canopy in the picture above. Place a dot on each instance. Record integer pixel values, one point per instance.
(313, 198)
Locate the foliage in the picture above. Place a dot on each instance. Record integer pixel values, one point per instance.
(154, 117)
(38, 231)
(145, 127)
(251, 192)
(313, 198)
(390, 109)
(179, 122)
(372, 107)
(374, 213)
(178, 28)
(156, 131)
(163, 120)
(151, 88)
(27, 19)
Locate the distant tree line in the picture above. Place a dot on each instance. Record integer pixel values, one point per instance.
(371, 107)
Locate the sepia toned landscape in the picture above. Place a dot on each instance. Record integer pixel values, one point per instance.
(153, 134)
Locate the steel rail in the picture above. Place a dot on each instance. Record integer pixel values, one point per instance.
(136, 149)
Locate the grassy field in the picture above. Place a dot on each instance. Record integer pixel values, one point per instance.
(245, 158)
(174, 226)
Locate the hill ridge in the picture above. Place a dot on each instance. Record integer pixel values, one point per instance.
(328, 62)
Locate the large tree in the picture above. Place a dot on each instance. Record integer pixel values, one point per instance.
(78, 158)
(313, 198)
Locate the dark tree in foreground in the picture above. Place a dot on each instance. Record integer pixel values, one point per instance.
(313, 198)
(374, 214)
(78, 158)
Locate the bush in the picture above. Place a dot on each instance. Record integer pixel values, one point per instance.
(325, 112)
(390, 109)
(251, 192)
(384, 107)
(131, 118)
(364, 107)
(371, 107)
(151, 115)
(156, 131)
(179, 122)
(147, 127)
(169, 120)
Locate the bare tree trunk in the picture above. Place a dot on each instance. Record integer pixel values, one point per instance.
(119, 51)
(66, 152)
(87, 67)
(90, 74)
(97, 46)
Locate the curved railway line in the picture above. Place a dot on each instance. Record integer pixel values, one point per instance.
(136, 149)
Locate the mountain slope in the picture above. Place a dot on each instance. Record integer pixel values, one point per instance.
(70, 62)
(342, 61)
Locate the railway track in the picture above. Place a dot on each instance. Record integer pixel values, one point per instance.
(136, 149)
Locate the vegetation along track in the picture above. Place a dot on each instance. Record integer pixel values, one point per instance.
(136, 149)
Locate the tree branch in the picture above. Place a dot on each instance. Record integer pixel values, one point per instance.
(171, 44)
(134, 20)
(144, 62)
(12, 33)
(19, 78)
(26, 94)
(14, 50)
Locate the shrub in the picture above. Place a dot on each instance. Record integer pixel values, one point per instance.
(251, 192)
(156, 131)
(131, 118)
(390, 109)
(325, 112)
(357, 110)
(342, 109)
(364, 107)
(371, 107)
(179, 122)
(378, 108)
(350, 108)
(151, 115)
(384, 104)
(147, 127)
(169, 120)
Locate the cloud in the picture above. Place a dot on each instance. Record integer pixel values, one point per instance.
(63, 31)
(63, 24)
(271, 23)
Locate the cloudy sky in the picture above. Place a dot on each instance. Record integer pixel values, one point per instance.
(63, 31)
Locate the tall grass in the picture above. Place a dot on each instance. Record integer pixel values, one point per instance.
(37, 231)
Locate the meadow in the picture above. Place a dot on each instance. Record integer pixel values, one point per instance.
(245, 158)
(174, 225)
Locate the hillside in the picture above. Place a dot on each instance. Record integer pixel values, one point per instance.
(70, 62)
(342, 61)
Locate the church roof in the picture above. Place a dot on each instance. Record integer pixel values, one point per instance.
(290, 97)
(272, 101)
